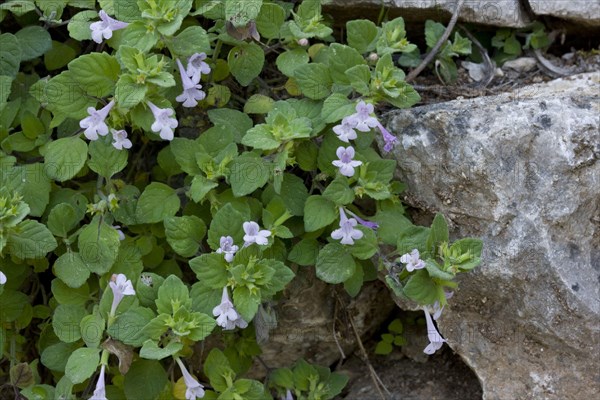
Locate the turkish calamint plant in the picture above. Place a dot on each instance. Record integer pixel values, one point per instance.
(169, 169)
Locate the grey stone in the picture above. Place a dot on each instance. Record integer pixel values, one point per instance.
(507, 13)
(586, 12)
(521, 171)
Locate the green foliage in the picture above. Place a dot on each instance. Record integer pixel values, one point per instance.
(131, 229)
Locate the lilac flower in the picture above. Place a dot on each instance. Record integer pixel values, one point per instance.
(194, 389)
(346, 163)
(362, 119)
(105, 27)
(345, 131)
(368, 224)
(191, 90)
(119, 232)
(227, 247)
(94, 125)
(288, 395)
(412, 261)
(121, 287)
(197, 67)
(120, 139)
(437, 310)
(227, 317)
(163, 121)
(389, 139)
(100, 391)
(435, 339)
(253, 234)
(2, 278)
(346, 232)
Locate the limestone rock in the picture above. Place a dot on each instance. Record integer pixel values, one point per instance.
(521, 171)
(586, 12)
(506, 13)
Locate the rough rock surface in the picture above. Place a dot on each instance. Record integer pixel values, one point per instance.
(507, 13)
(520, 170)
(305, 319)
(586, 12)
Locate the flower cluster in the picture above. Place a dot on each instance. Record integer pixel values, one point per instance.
(95, 124)
(194, 389)
(120, 287)
(412, 261)
(104, 28)
(363, 121)
(346, 164)
(2, 278)
(100, 391)
(346, 232)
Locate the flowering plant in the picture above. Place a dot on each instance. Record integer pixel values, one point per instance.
(158, 188)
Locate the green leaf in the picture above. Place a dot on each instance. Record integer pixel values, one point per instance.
(393, 38)
(98, 246)
(82, 364)
(21, 375)
(304, 252)
(92, 329)
(79, 25)
(436, 272)
(234, 121)
(362, 34)
(211, 270)
(71, 269)
(126, 10)
(246, 302)
(365, 247)
(472, 249)
(422, 289)
(246, 62)
(383, 348)
(65, 322)
(185, 151)
(335, 264)
(66, 295)
(200, 187)
(336, 107)
(414, 237)
(30, 239)
(151, 351)
(359, 78)
(226, 222)
(355, 282)
(270, 20)
(438, 234)
(172, 295)
(105, 159)
(31, 182)
(339, 192)
(184, 234)
(294, 194)
(391, 224)
(288, 61)
(341, 59)
(62, 218)
(248, 173)
(396, 326)
(318, 213)
(55, 356)
(128, 327)
(313, 80)
(240, 12)
(18, 7)
(258, 104)
(216, 368)
(461, 45)
(59, 56)
(191, 40)
(64, 158)
(260, 137)
(97, 73)
(433, 32)
(157, 202)
(146, 379)
(128, 93)
(138, 35)
(10, 57)
(34, 42)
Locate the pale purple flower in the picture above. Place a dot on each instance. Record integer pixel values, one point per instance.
(412, 261)
(94, 125)
(288, 395)
(197, 67)
(362, 119)
(345, 131)
(100, 391)
(191, 90)
(346, 164)
(119, 232)
(194, 389)
(163, 121)
(227, 317)
(121, 287)
(105, 27)
(389, 139)
(368, 224)
(253, 234)
(346, 232)
(435, 339)
(120, 140)
(437, 310)
(2, 278)
(227, 247)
